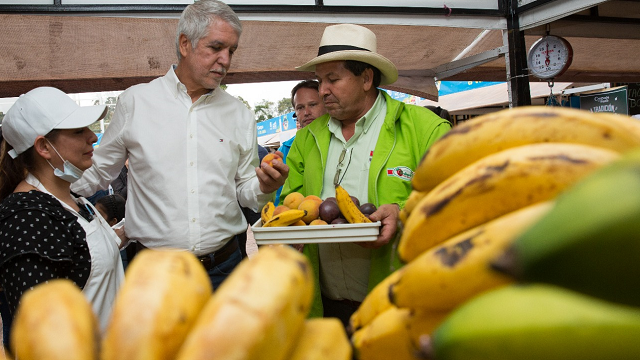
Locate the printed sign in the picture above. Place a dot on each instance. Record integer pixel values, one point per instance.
(613, 100)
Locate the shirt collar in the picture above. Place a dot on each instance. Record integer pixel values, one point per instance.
(179, 88)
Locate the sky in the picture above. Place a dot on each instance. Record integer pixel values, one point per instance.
(254, 93)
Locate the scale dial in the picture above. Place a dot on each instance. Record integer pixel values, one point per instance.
(549, 57)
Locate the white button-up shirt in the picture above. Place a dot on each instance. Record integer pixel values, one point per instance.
(189, 165)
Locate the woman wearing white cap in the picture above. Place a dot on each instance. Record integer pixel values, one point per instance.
(45, 231)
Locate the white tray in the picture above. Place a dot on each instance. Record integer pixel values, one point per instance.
(315, 234)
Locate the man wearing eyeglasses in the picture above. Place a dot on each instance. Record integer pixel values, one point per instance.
(368, 143)
(307, 107)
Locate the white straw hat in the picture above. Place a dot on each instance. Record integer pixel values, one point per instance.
(41, 110)
(352, 42)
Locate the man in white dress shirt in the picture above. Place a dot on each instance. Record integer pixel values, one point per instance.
(192, 149)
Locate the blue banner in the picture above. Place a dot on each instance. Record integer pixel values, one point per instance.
(276, 125)
(268, 127)
(452, 87)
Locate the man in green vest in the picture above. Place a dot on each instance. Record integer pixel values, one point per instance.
(370, 144)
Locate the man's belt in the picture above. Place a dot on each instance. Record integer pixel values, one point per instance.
(211, 260)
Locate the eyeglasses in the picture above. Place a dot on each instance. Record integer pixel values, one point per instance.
(337, 179)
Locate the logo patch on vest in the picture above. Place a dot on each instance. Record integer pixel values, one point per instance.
(401, 172)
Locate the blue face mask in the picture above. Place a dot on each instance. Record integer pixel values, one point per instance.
(70, 174)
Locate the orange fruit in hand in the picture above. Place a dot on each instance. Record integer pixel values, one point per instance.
(270, 157)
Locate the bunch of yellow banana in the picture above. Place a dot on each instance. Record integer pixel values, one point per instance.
(476, 191)
(257, 313)
(416, 298)
(445, 276)
(285, 218)
(496, 185)
(348, 208)
(503, 161)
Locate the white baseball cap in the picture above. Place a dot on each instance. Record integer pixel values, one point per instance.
(41, 110)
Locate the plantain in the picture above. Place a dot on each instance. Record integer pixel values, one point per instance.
(394, 334)
(385, 337)
(286, 218)
(536, 322)
(54, 321)
(412, 202)
(590, 241)
(496, 185)
(497, 131)
(348, 208)
(447, 275)
(376, 301)
(163, 293)
(258, 312)
(267, 212)
(322, 338)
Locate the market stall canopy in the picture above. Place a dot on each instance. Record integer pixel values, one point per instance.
(83, 46)
(487, 99)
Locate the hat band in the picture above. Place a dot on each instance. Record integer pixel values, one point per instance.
(325, 49)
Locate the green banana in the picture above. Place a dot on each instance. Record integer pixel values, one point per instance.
(590, 241)
(536, 322)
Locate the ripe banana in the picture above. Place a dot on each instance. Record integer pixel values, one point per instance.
(376, 301)
(447, 275)
(412, 202)
(348, 208)
(386, 337)
(504, 129)
(55, 321)
(163, 293)
(258, 312)
(537, 322)
(267, 212)
(286, 218)
(590, 241)
(321, 339)
(394, 334)
(495, 185)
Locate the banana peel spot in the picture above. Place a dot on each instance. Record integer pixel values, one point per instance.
(450, 256)
(561, 158)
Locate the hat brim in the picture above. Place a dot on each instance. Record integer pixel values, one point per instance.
(82, 117)
(386, 67)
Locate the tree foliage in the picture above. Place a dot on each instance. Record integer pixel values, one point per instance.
(264, 110)
(111, 107)
(284, 106)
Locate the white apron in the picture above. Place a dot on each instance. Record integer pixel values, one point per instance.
(107, 273)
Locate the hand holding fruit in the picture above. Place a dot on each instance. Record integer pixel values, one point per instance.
(388, 215)
(272, 172)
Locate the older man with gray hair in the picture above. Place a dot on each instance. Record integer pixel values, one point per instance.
(192, 149)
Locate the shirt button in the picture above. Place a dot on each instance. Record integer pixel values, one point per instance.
(191, 163)
(191, 136)
(193, 220)
(193, 191)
